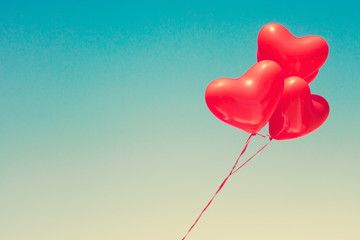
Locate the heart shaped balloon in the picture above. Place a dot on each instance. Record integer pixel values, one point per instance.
(248, 101)
(299, 112)
(308, 79)
(300, 57)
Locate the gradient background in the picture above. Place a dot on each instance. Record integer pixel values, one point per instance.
(105, 134)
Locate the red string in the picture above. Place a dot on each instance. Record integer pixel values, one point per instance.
(231, 172)
(252, 156)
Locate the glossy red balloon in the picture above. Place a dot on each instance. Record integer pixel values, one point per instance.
(300, 57)
(248, 101)
(308, 79)
(299, 112)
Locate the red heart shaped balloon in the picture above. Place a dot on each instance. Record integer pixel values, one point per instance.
(308, 79)
(249, 101)
(297, 56)
(299, 112)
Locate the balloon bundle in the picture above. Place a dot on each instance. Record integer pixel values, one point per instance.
(275, 90)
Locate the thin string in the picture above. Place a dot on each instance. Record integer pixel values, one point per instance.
(263, 136)
(231, 172)
(270, 139)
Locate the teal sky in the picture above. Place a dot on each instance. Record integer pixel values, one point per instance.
(105, 134)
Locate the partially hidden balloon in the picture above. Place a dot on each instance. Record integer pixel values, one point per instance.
(308, 79)
(300, 57)
(299, 112)
(248, 101)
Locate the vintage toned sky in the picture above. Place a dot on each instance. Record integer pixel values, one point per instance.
(105, 134)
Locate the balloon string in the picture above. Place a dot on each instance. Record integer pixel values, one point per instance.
(252, 156)
(231, 172)
(263, 136)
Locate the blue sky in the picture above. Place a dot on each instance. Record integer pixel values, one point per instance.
(105, 132)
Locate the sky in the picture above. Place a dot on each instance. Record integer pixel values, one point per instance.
(105, 134)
